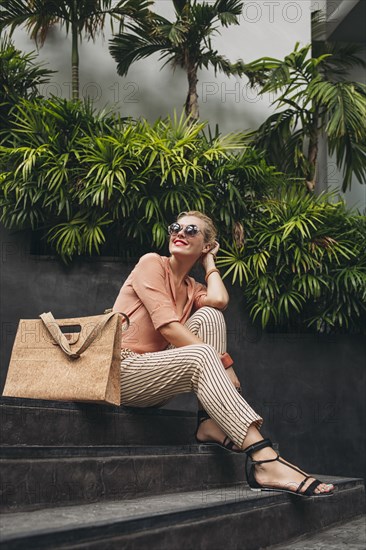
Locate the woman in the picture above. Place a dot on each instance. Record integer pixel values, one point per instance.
(169, 351)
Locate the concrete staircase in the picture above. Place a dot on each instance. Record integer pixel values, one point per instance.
(84, 476)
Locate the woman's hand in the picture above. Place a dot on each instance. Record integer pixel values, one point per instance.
(217, 295)
(208, 259)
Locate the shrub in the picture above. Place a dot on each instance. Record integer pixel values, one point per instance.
(74, 173)
(303, 262)
(20, 78)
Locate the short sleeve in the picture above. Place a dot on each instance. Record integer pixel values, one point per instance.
(149, 281)
(200, 291)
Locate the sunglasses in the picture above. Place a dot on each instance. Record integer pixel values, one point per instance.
(188, 231)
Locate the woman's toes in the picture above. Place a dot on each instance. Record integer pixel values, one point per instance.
(324, 488)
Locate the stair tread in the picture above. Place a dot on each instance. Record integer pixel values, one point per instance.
(188, 504)
(26, 452)
(21, 403)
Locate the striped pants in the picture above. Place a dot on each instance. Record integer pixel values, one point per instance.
(152, 379)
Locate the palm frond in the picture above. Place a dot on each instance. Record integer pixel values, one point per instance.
(345, 104)
(184, 42)
(127, 48)
(314, 104)
(228, 11)
(38, 15)
(340, 58)
(218, 62)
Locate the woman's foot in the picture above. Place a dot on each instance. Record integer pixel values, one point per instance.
(209, 431)
(277, 474)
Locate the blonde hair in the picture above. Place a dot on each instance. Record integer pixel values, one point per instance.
(209, 230)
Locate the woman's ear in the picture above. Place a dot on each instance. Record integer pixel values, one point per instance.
(206, 248)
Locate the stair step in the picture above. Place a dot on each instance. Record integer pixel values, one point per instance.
(349, 534)
(96, 451)
(40, 422)
(213, 518)
(36, 476)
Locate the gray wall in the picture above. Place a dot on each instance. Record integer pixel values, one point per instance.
(266, 29)
(309, 389)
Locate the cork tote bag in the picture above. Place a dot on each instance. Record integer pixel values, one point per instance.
(67, 359)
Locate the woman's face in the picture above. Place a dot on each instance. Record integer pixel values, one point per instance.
(181, 244)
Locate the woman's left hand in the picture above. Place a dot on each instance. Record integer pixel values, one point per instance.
(212, 252)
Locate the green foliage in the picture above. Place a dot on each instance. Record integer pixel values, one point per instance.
(303, 262)
(184, 42)
(79, 174)
(84, 17)
(20, 78)
(313, 96)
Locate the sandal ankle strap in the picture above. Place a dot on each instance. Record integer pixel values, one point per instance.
(258, 446)
(251, 449)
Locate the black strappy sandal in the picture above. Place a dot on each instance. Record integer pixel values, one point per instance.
(255, 486)
(227, 444)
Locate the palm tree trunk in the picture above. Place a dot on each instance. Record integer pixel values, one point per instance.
(191, 105)
(313, 155)
(74, 62)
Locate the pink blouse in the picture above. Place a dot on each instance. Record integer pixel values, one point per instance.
(148, 298)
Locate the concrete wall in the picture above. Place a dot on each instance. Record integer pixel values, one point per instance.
(268, 28)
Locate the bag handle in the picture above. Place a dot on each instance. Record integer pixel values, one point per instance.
(60, 339)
